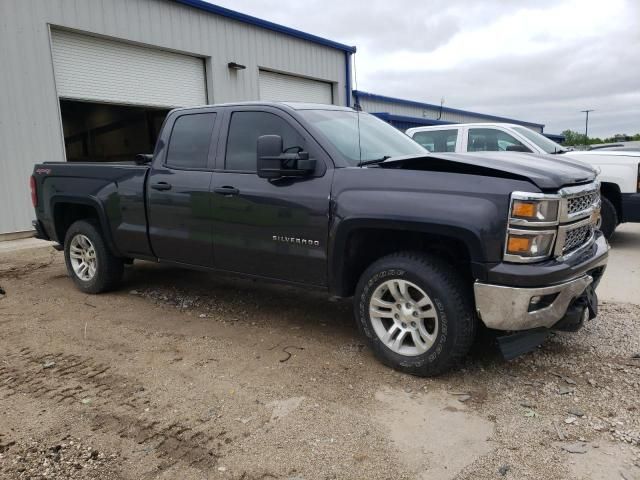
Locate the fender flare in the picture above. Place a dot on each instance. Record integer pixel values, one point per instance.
(89, 201)
(341, 232)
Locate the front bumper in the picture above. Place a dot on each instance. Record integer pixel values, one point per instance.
(510, 308)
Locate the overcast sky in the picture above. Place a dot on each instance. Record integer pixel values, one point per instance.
(536, 60)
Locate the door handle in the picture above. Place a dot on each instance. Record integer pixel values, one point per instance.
(226, 190)
(161, 186)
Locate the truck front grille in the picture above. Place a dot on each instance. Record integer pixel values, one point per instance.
(582, 202)
(577, 237)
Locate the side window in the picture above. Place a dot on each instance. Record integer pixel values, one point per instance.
(190, 140)
(437, 140)
(242, 141)
(492, 140)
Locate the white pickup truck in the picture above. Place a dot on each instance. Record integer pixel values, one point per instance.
(619, 169)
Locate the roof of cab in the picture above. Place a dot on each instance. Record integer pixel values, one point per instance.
(290, 105)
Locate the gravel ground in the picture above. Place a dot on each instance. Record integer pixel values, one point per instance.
(185, 375)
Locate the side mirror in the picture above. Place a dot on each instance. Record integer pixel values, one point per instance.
(273, 163)
(518, 148)
(143, 158)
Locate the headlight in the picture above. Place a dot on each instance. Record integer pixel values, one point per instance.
(534, 211)
(528, 245)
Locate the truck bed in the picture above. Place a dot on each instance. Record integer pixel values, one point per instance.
(116, 190)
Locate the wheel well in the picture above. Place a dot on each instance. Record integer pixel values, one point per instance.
(65, 214)
(365, 246)
(611, 192)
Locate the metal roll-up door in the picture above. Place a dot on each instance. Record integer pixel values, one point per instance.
(289, 88)
(95, 69)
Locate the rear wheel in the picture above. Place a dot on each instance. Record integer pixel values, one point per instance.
(609, 218)
(416, 313)
(93, 268)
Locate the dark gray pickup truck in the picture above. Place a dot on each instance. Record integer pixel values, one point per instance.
(429, 245)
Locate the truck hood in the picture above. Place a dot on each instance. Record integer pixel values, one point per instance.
(547, 172)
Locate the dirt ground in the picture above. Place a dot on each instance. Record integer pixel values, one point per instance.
(184, 375)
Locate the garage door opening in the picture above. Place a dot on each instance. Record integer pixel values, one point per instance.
(97, 132)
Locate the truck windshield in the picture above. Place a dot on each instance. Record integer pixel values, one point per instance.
(549, 146)
(377, 139)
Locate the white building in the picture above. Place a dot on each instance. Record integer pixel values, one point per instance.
(93, 79)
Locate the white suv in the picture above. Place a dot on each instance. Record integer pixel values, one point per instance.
(483, 137)
(619, 171)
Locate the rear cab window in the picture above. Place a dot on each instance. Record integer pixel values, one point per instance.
(190, 141)
(438, 140)
(492, 140)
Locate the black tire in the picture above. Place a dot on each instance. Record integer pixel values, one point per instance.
(109, 268)
(451, 297)
(609, 218)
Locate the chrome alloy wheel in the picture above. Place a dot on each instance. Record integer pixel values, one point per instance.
(404, 317)
(82, 254)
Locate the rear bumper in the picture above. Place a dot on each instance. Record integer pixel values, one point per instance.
(40, 232)
(630, 207)
(511, 308)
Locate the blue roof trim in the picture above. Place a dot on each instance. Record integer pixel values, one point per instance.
(258, 22)
(556, 137)
(412, 103)
(404, 118)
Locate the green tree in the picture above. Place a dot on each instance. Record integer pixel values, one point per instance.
(571, 137)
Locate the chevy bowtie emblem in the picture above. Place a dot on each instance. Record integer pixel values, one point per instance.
(296, 240)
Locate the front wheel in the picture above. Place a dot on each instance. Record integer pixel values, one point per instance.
(609, 217)
(416, 313)
(91, 265)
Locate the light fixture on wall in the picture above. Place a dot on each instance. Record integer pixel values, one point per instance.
(236, 66)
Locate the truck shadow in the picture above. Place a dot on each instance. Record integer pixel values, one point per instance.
(625, 238)
(238, 299)
(249, 303)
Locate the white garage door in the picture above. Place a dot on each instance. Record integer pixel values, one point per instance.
(288, 88)
(95, 69)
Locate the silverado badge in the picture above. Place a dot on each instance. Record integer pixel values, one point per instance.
(296, 240)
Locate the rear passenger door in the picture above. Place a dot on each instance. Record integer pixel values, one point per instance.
(274, 228)
(178, 189)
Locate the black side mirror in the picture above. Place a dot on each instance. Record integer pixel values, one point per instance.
(143, 158)
(518, 148)
(273, 163)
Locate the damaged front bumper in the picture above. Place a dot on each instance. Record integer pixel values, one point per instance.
(557, 306)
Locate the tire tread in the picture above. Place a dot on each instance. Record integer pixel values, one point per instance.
(110, 267)
(459, 298)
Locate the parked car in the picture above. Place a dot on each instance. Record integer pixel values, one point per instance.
(427, 245)
(619, 169)
(620, 177)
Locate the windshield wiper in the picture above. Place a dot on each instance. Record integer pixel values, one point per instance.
(374, 161)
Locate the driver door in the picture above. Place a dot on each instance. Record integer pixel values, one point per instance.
(276, 228)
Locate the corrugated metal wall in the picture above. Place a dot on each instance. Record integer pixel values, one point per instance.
(30, 126)
(374, 105)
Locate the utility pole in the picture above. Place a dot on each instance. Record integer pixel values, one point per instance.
(586, 126)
